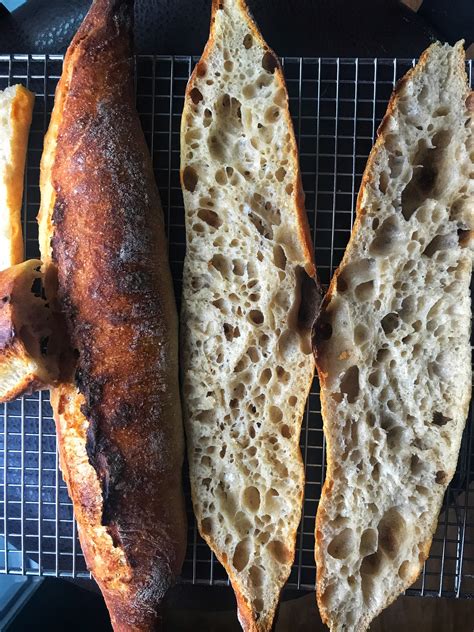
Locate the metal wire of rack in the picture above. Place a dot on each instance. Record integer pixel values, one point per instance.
(336, 106)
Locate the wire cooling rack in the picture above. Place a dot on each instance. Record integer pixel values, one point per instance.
(336, 106)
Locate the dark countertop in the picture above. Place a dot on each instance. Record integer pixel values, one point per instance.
(366, 28)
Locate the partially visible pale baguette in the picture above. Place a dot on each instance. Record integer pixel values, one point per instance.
(25, 330)
(392, 347)
(248, 277)
(16, 108)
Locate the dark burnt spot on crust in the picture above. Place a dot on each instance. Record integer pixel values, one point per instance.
(91, 389)
(123, 416)
(110, 465)
(59, 209)
(136, 282)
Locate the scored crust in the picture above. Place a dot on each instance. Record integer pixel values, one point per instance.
(426, 130)
(117, 408)
(234, 216)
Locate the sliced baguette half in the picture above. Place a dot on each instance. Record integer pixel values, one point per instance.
(248, 278)
(25, 329)
(392, 347)
(16, 109)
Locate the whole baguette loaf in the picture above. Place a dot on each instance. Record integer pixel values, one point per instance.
(103, 244)
(25, 329)
(392, 347)
(16, 109)
(248, 278)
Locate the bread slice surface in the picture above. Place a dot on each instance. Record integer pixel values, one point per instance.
(16, 109)
(248, 277)
(392, 347)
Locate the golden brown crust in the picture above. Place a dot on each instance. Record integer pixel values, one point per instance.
(21, 111)
(24, 321)
(319, 343)
(119, 425)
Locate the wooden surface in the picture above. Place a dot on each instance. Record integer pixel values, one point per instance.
(407, 614)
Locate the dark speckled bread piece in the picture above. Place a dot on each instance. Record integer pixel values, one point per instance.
(103, 246)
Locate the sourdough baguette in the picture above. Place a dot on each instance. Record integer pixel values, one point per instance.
(392, 347)
(246, 350)
(25, 327)
(103, 244)
(16, 109)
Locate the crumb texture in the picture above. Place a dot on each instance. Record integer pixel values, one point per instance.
(393, 348)
(246, 348)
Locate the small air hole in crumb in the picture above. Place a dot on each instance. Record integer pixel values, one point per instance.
(248, 41)
(439, 419)
(272, 114)
(342, 544)
(276, 414)
(210, 217)
(258, 605)
(253, 354)
(190, 179)
(404, 570)
(251, 499)
(241, 555)
(196, 96)
(201, 69)
(279, 551)
(361, 333)
(390, 322)
(269, 62)
(280, 174)
(256, 316)
(249, 91)
(441, 111)
(384, 182)
(279, 257)
(364, 291)
(350, 384)
(368, 542)
(285, 431)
